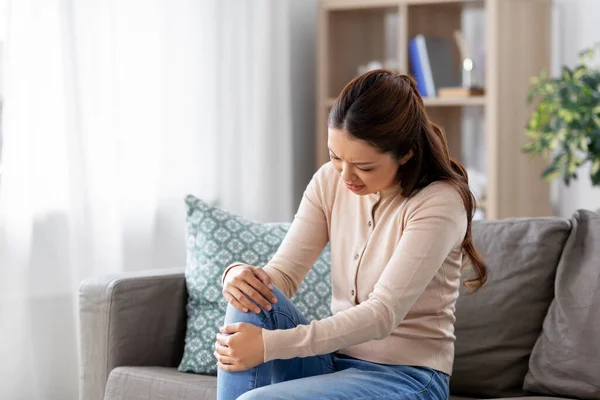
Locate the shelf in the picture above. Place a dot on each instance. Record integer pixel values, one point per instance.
(356, 4)
(454, 101)
(440, 101)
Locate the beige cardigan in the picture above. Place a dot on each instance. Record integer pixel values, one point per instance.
(395, 272)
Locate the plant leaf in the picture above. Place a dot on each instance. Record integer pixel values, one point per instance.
(550, 173)
(595, 167)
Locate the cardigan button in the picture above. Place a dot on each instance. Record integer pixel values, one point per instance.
(352, 292)
(356, 256)
(370, 223)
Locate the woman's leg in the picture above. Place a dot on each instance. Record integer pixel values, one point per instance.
(357, 379)
(283, 315)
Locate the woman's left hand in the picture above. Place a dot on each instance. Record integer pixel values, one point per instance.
(242, 349)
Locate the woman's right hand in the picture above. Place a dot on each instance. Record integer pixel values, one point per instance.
(246, 280)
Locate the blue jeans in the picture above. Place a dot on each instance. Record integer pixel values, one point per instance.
(329, 376)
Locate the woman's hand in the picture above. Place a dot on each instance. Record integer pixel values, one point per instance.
(245, 280)
(242, 349)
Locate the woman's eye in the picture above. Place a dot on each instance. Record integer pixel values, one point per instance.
(339, 159)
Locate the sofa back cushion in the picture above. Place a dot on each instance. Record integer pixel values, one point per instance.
(496, 328)
(215, 239)
(566, 358)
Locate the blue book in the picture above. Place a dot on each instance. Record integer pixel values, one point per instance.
(416, 55)
(433, 64)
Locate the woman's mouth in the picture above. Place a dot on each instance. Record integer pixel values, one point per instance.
(355, 188)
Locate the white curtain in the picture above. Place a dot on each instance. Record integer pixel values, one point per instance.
(114, 110)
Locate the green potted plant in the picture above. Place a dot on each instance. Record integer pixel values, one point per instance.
(564, 127)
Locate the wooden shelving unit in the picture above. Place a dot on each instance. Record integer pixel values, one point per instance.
(517, 42)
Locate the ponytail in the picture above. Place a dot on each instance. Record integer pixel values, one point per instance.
(457, 176)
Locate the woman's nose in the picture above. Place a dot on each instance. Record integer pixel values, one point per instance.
(347, 174)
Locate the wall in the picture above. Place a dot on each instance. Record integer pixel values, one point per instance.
(576, 26)
(303, 76)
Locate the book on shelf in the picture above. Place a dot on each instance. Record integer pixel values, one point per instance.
(432, 64)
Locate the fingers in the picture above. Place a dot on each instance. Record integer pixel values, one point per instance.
(262, 282)
(264, 277)
(246, 287)
(232, 328)
(223, 340)
(222, 354)
(243, 300)
(227, 360)
(255, 295)
(254, 288)
(234, 302)
(223, 359)
(228, 367)
(222, 349)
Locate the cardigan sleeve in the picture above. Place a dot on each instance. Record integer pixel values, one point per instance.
(304, 241)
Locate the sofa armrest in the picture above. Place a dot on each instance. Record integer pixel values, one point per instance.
(132, 319)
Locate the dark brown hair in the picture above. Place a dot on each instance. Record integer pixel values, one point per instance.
(384, 109)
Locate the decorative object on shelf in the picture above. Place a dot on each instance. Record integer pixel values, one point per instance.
(432, 64)
(467, 88)
(564, 126)
(467, 63)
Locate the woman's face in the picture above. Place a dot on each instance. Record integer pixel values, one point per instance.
(363, 169)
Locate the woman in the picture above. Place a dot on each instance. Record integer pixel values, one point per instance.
(397, 212)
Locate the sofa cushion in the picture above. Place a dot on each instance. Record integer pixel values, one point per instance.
(566, 357)
(158, 383)
(215, 239)
(496, 328)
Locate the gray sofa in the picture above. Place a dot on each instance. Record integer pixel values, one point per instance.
(531, 332)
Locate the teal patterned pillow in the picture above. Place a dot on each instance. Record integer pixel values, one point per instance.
(215, 239)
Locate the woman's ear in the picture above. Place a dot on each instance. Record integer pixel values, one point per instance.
(407, 157)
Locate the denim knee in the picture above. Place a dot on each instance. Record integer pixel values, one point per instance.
(263, 393)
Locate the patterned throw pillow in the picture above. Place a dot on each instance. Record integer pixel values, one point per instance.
(215, 239)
